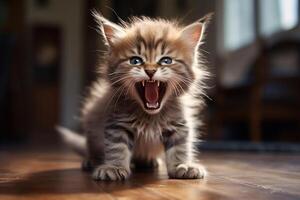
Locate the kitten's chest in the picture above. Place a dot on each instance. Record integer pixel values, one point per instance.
(148, 140)
(147, 148)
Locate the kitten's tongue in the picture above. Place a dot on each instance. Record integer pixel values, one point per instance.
(151, 92)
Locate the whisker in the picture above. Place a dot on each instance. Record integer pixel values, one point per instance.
(175, 88)
(121, 79)
(111, 99)
(185, 81)
(179, 85)
(117, 73)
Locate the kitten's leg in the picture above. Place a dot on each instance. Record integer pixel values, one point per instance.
(117, 156)
(180, 161)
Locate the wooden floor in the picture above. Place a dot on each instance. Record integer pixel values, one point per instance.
(57, 175)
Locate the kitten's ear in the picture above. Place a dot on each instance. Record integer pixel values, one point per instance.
(195, 31)
(110, 31)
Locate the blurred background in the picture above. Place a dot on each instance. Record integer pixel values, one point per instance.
(49, 50)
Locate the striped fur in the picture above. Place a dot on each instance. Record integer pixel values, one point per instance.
(117, 126)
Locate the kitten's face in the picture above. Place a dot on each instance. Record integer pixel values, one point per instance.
(151, 61)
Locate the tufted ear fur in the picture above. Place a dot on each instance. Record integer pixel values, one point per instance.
(110, 31)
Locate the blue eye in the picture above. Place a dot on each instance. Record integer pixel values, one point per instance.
(136, 60)
(165, 61)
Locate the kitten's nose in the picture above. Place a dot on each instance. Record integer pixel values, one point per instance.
(150, 72)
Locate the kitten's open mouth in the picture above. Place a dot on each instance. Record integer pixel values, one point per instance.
(151, 92)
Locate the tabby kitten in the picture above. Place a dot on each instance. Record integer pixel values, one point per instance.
(143, 104)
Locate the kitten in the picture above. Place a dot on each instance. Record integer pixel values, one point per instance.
(145, 101)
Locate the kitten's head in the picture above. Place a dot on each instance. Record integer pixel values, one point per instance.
(151, 60)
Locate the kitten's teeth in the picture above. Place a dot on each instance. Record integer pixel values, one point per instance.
(158, 83)
(152, 106)
(143, 83)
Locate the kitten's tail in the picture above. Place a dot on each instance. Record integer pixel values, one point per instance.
(76, 141)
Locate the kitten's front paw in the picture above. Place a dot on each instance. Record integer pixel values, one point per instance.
(111, 173)
(186, 171)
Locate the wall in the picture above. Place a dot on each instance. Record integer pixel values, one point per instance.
(69, 15)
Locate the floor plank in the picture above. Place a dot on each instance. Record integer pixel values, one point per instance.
(57, 175)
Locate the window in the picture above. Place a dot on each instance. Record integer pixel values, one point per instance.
(277, 15)
(238, 23)
(239, 18)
